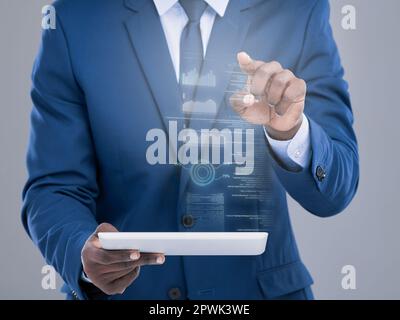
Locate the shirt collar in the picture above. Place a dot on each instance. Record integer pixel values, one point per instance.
(219, 6)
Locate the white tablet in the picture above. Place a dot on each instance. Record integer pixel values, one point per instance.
(187, 243)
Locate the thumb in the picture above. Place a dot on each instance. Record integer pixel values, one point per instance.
(246, 63)
(104, 227)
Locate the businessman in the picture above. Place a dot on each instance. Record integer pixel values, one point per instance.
(112, 71)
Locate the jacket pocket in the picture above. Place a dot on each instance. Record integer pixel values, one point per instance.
(284, 279)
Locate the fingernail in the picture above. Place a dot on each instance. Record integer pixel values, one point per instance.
(160, 260)
(245, 57)
(134, 255)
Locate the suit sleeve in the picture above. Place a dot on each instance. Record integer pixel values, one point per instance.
(59, 196)
(328, 185)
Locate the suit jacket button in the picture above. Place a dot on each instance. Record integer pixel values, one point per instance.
(320, 173)
(188, 221)
(174, 293)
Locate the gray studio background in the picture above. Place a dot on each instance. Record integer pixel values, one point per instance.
(366, 235)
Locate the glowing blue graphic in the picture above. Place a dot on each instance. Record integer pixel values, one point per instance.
(208, 106)
(202, 174)
(192, 79)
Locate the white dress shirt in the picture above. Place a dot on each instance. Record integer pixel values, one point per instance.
(293, 154)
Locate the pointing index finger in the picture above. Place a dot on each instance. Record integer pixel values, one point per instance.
(246, 63)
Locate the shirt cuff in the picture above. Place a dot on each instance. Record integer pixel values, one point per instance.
(295, 154)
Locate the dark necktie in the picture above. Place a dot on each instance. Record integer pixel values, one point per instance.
(191, 50)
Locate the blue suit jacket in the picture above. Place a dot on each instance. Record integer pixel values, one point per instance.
(104, 77)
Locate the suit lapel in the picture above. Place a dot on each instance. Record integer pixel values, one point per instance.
(149, 43)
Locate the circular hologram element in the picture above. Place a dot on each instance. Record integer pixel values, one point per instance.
(202, 174)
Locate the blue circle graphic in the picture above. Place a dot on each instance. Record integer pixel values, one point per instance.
(202, 174)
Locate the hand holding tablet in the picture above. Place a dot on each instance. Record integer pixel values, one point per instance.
(112, 260)
(112, 271)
